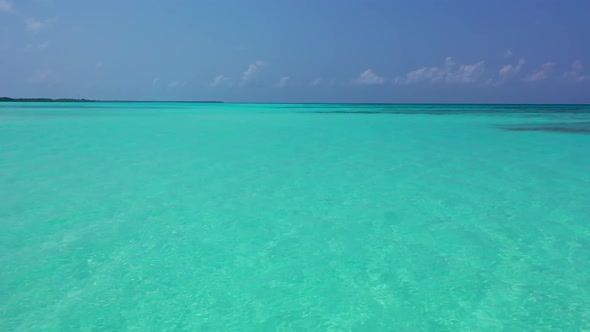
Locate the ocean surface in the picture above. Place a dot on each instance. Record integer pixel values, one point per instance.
(294, 217)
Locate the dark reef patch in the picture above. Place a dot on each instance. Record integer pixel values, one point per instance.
(568, 128)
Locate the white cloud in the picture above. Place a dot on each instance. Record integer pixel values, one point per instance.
(541, 74)
(506, 72)
(6, 7)
(508, 53)
(37, 47)
(509, 70)
(251, 72)
(466, 73)
(282, 82)
(42, 76)
(575, 74)
(34, 25)
(316, 82)
(173, 84)
(368, 77)
(219, 80)
(155, 81)
(43, 45)
(448, 74)
(433, 74)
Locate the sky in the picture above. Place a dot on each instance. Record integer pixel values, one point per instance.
(362, 51)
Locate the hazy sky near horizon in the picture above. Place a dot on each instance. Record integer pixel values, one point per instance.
(464, 51)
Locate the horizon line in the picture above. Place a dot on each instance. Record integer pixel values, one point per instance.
(84, 100)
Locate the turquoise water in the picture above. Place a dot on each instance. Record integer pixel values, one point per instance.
(228, 217)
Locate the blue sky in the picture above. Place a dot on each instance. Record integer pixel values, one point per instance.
(519, 51)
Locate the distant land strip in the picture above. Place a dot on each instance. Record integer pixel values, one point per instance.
(82, 100)
(44, 100)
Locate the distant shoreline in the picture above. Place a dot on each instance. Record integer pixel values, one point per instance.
(82, 100)
(44, 100)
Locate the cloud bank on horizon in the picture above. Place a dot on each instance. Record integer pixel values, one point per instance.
(199, 50)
